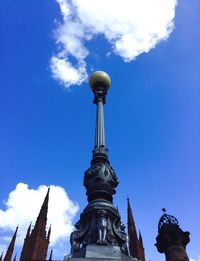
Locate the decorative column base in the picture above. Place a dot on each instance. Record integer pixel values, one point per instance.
(100, 253)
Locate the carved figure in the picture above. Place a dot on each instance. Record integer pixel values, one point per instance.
(76, 238)
(119, 230)
(126, 248)
(74, 241)
(102, 227)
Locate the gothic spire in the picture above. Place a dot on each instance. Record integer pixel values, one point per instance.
(37, 237)
(133, 238)
(9, 252)
(41, 222)
(15, 257)
(51, 254)
(140, 239)
(49, 233)
(141, 247)
(28, 231)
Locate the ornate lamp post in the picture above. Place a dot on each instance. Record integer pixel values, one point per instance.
(100, 179)
(99, 233)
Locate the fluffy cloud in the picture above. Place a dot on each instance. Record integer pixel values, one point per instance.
(131, 27)
(23, 205)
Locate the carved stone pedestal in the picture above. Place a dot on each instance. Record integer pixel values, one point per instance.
(100, 253)
(99, 229)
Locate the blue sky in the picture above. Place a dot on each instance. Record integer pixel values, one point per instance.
(151, 116)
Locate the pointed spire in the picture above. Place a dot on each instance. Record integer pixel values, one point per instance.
(49, 233)
(15, 257)
(45, 203)
(133, 238)
(28, 231)
(140, 238)
(1, 257)
(38, 236)
(51, 254)
(9, 252)
(141, 248)
(40, 225)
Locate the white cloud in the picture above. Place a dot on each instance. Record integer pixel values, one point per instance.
(23, 206)
(198, 259)
(3, 248)
(131, 27)
(66, 73)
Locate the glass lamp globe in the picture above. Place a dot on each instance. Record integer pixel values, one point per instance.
(99, 78)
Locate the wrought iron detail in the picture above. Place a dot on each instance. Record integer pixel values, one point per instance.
(100, 181)
(166, 219)
(171, 236)
(77, 236)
